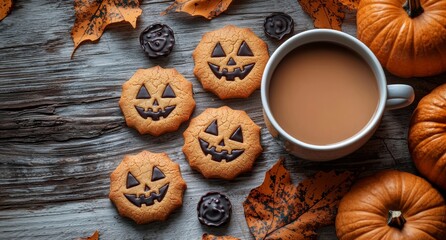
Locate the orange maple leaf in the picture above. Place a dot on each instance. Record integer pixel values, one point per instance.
(95, 236)
(93, 16)
(350, 4)
(277, 209)
(205, 8)
(5, 8)
(325, 13)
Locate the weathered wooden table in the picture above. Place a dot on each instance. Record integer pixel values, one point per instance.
(62, 132)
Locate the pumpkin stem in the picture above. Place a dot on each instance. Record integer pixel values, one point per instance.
(413, 8)
(395, 219)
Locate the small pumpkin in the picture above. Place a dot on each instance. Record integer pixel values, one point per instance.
(391, 205)
(408, 38)
(427, 136)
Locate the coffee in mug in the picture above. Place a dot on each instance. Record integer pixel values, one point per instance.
(322, 93)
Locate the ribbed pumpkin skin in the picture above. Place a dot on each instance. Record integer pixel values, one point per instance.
(427, 136)
(362, 212)
(406, 47)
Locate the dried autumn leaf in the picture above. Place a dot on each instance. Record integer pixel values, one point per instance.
(213, 237)
(277, 209)
(205, 8)
(92, 17)
(350, 4)
(325, 13)
(5, 8)
(95, 236)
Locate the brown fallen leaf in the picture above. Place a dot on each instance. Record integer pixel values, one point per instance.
(213, 237)
(277, 209)
(95, 236)
(5, 8)
(350, 4)
(205, 8)
(325, 13)
(92, 17)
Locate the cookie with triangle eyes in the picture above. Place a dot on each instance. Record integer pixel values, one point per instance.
(147, 187)
(222, 143)
(156, 100)
(230, 61)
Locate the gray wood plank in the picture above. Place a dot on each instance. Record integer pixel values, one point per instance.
(62, 132)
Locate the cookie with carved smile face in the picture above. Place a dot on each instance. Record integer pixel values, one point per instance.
(230, 61)
(222, 143)
(147, 187)
(156, 100)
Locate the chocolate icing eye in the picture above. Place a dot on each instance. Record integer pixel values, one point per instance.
(244, 50)
(143, 93)
(131, 181)
(212, 128)
(237, 135)
(157, 174)
(168, 92)
(218, 51)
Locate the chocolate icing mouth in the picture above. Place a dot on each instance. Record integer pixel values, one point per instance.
(230, 76)
(150, 200)
(155, 116)
(219, 156)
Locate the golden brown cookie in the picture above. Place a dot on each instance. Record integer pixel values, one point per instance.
(207, 236)
(147, 187)
(156, 100)
(222, 143)
(229, 62)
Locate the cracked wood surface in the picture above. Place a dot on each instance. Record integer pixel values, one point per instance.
(62, 132)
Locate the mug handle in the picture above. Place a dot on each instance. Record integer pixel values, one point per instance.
(399, 96)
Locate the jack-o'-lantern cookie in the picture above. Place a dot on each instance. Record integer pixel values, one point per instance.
(222, 143)
(156, 100)
(147, 187)
(230, 61)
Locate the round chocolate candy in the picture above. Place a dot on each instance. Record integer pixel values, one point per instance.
(214, 209)
(157, 40)
(277, 25)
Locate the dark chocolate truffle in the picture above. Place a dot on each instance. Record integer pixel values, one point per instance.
(277, 25)
(157, 40)
(214, 209)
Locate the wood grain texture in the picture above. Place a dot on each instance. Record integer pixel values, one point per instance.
(62, 132)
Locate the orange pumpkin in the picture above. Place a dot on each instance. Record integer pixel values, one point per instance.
(392, 205)
(409, 38)
(427, 136)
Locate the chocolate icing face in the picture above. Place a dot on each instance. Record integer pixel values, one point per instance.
(277, 25)
(148, 197)
(143, 93)
(240, 72)
(214, 209)
(224, 153)
(157, 40)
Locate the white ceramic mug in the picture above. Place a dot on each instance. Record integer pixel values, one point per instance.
(390, 97)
